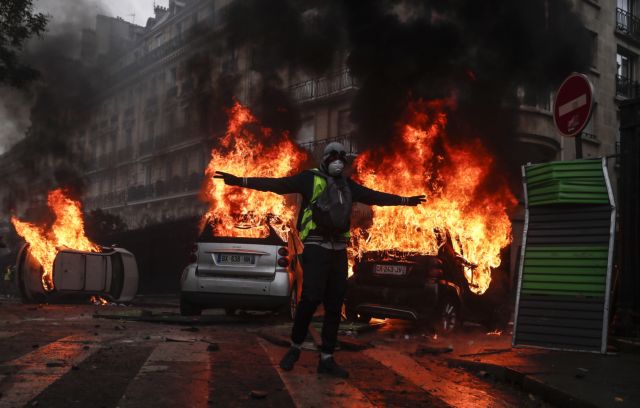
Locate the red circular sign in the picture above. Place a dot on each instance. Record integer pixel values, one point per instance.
(572, 108)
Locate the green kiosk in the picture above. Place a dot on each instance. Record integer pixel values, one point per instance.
(564, 280)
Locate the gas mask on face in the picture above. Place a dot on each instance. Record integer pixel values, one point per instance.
(335, 167)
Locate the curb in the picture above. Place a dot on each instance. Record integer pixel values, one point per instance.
(526, 382)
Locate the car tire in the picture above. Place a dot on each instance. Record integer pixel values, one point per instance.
(189, 309)
(447, 319)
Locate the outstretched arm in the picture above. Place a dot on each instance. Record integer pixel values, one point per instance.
(279, 185)
(368, 196)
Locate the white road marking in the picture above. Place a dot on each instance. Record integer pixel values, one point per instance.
(444, 388)
(5, 334)
(181, 367)
(308, 389)
(572, 105)
(34, 376)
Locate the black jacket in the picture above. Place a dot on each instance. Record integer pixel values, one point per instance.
(302, 183)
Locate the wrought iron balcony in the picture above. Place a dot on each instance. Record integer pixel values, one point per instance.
(323, 87)
(626, 87)
(627, 23)
(316, 148)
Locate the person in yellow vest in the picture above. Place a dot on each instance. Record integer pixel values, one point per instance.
(323, 222)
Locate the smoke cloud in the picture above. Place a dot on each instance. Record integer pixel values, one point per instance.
(401, 50)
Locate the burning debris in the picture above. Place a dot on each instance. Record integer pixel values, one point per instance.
(249, 148)
(67, 231)
(424, 159)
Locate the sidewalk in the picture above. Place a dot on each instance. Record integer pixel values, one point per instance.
(566, 379)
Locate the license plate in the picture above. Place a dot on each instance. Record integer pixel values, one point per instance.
(235, 259)
(396, 270)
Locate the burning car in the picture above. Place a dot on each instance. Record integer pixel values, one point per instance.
(58, 261)
(431, 288)
(111, 274)
(239, 273)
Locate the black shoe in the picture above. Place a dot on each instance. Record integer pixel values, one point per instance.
(329, 366)
(290, 359)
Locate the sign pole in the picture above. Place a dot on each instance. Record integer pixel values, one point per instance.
(578, 140)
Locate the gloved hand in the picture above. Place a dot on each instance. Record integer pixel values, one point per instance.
(229, 179)
(415, 200)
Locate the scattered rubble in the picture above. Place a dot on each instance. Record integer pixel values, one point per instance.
(425, 350)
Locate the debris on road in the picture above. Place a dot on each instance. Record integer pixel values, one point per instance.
(257, 394)
(56, 363)
(486, 352)
(424, 350)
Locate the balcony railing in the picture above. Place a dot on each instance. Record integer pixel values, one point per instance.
(627, 23)
(626, 87)
(316, 148)
(322, 87)
(163, 188)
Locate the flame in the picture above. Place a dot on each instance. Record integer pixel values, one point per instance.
(67, 231)
(452, 175)
(98, 301)
(248, 149)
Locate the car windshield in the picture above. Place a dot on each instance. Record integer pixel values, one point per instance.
(208, 235)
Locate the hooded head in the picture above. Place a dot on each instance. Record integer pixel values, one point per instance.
(334, 159)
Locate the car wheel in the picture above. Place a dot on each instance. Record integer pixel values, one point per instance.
(189, 309)
(448, 316)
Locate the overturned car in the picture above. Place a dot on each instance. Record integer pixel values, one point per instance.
(77, 275)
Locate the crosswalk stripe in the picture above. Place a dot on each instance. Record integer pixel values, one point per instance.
(439, 386)
(308, 389)
(6, 334)
(35, 374)
(176, 374)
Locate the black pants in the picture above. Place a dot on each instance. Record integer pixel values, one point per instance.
(324, 280)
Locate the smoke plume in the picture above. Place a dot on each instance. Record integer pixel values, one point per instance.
(402, 50)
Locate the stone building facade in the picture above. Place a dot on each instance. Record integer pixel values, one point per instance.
(146, 157)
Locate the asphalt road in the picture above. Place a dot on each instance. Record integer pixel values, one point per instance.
(145, 355)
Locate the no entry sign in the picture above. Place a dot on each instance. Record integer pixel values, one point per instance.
(574, 101)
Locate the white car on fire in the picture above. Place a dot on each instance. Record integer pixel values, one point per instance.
(239, 273)
(111, 274)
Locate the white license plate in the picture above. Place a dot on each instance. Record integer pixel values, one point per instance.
(235, 259)
(396, 270)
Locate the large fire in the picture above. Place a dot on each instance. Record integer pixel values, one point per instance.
(453, 176)
(249, 149)
(67, 231)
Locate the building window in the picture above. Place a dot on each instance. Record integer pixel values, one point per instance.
(594, 49)
(307, 132)
(345, 127)
(626, 86)
(626, 20)
(535, 98)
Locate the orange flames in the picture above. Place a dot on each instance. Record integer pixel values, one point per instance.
(67, 231)
(452, 176)
(248, 149)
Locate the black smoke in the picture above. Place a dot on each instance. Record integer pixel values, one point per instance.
(400, 50)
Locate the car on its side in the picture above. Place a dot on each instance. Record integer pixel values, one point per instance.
(236, 273)
(111, 274)
(426, 288)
